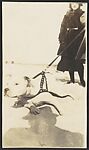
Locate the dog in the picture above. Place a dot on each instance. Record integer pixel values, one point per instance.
(27, 94)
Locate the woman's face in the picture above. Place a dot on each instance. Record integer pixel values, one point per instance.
(74, 6)
(82, 18)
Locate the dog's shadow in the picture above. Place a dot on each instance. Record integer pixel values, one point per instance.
(42, 133)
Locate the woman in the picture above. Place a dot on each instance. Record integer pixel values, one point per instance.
(71, 36)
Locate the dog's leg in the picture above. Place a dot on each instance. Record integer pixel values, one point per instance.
(42, 103)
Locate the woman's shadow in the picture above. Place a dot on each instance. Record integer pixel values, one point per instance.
(42, 133)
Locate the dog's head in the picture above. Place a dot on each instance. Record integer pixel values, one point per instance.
(17, 86)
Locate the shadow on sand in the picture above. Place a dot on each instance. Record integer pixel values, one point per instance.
(42, 132)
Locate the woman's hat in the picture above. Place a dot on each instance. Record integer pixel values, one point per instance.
(80, 4)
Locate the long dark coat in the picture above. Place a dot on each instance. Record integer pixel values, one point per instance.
(70, 38)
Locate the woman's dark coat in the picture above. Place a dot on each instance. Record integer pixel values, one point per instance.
(71, 36)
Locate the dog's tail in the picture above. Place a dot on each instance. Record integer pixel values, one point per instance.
(41, 103)
(56, 95)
